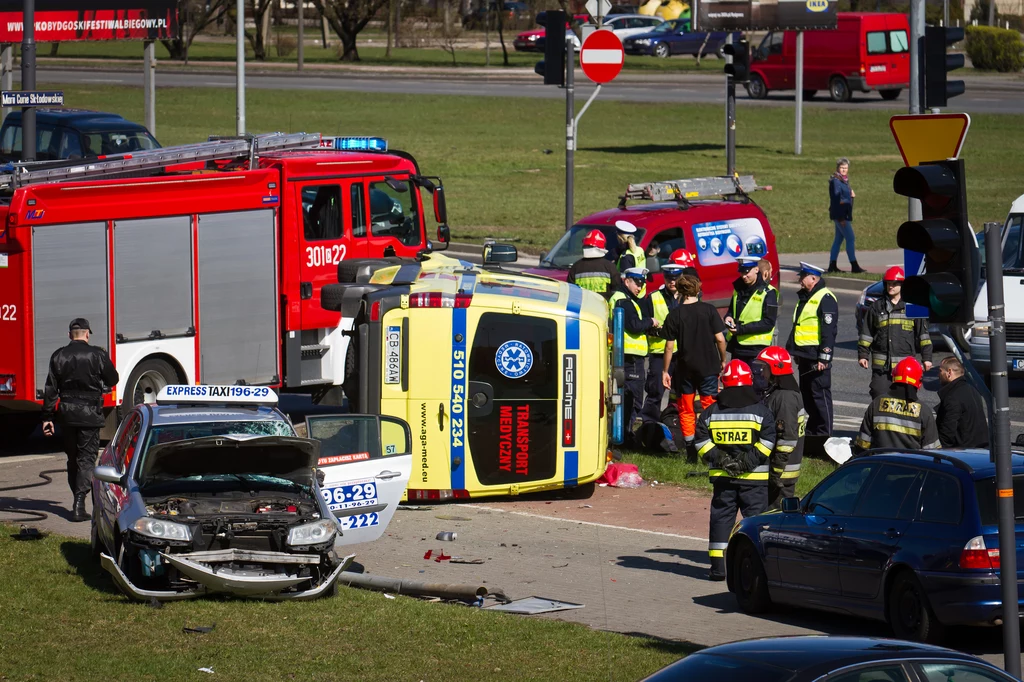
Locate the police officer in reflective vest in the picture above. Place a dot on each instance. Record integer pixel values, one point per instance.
(630, 253)
(784, 400)
(812, 343)
(735, 436)
(887, 334)
(79, 375)
(662, 301)
(638, 321)
(752, 316)
(898, 419)
(594, 271)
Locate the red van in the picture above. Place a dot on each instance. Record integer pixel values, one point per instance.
(866, 52)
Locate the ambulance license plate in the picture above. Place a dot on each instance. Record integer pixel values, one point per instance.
(393, 355)
(1018, 365)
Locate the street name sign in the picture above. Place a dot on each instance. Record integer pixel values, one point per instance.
(602, 56)
(32, 98)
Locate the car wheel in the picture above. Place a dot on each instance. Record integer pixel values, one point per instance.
(809, 94)
(661, 50)
(145, 382)
(839, 89)
(749, 581)
(890, 95)
(756, 88)
(910, 614)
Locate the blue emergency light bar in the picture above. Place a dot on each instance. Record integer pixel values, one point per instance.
(370, 144)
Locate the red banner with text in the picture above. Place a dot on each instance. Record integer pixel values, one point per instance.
(63, 20)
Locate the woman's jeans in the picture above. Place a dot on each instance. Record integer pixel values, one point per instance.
(844, 230)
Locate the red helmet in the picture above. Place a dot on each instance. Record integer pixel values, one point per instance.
(681, 257)
(778, 360)
(737, 373)
(908, 371)
(595, 239)
(894, 274)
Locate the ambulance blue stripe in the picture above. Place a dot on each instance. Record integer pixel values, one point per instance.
(572, 467)
(572, 319)
(466, 264)
(456, 408)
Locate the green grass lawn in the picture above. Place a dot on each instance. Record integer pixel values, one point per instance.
(63, 620)
(675, 470)
(502, 159)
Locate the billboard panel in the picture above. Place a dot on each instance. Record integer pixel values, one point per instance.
(62, 20)
(765, 15)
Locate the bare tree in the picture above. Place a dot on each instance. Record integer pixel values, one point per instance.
(259, 10)
(347, 18)
(448, 35)
(193, 17)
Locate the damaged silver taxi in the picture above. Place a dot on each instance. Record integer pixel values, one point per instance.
(210, 490)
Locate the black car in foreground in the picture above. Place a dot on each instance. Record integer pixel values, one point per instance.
(832, 659)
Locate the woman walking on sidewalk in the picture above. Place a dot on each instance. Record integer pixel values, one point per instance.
(840, 210)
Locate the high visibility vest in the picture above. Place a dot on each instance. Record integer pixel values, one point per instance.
(595, 281)
(640, 261)
(806, 329)
(633, 344)
(655, 344)
(752, 313)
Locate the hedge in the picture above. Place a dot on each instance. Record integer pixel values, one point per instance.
(994, 49)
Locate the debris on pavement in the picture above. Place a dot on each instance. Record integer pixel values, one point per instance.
(208, 671)
(447, 536)
(200, 629)
(460, 560)
(622, 475)
(533, 605)
(28, 533)
(415, 588)
(449, 517)
(388, 596)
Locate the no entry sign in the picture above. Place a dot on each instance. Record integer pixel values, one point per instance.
(601, 56)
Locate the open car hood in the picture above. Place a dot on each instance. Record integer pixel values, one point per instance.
(285, 457)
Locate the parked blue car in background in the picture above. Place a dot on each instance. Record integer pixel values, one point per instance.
(902, 536)
(675, 37)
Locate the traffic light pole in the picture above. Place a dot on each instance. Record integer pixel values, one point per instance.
(730, 118)
(570, 126)
(917, 10)
(1001, 452)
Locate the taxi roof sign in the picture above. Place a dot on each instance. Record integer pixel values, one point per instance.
(929, 137)
(173, 394)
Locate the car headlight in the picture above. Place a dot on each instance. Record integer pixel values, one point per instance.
(980, 330)
(312, 533)
(163, 530)
(532, 39)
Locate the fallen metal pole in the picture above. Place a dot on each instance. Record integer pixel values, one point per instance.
(413, 588)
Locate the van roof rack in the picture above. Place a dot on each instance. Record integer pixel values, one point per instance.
(690, 189)
(245, 147)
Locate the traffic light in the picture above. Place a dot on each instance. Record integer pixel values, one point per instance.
(937, 64)
(739, 70)
(952, 265)
(553, 66)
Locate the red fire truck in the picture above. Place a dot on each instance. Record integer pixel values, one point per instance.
(199, 276)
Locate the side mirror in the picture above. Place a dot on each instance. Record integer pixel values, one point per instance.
(440, 206)
(790, 505)
(109, 475)
(496, 252)
(444, 236)
(396, 184)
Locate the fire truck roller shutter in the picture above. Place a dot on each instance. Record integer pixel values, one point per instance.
(153, 283)
(69, 279)
(238, 337)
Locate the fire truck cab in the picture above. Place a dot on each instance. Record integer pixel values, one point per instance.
(201, 276)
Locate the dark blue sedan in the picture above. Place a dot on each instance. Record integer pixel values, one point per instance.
(905, 537)
(675, 37)
(829, 659)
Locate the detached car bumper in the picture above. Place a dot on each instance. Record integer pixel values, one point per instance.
(242, 573)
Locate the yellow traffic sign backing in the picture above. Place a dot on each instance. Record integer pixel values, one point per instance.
(929, 137)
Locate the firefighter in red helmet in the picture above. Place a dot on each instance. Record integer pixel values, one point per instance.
(786, 402)
(594, 271)
(734, 436)
(898, 419)
(887, 334)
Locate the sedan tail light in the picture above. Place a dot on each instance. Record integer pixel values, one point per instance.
(976, 555)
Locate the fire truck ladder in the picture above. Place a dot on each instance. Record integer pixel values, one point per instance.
(248, 148)
(687, 190)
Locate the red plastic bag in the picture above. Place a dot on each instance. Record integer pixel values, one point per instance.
(621, 475)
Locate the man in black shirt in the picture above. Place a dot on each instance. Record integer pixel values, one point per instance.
(79, 376)
(697, 331)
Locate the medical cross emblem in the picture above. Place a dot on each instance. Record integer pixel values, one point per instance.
(513, 359)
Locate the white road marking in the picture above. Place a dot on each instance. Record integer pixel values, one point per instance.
(25, 458)
(585, 523)
(103, 80)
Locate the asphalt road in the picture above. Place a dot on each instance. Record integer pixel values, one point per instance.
(982, 96)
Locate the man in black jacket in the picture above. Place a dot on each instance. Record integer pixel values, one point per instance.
(787, 404)
(961, 416)
(79, 376)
